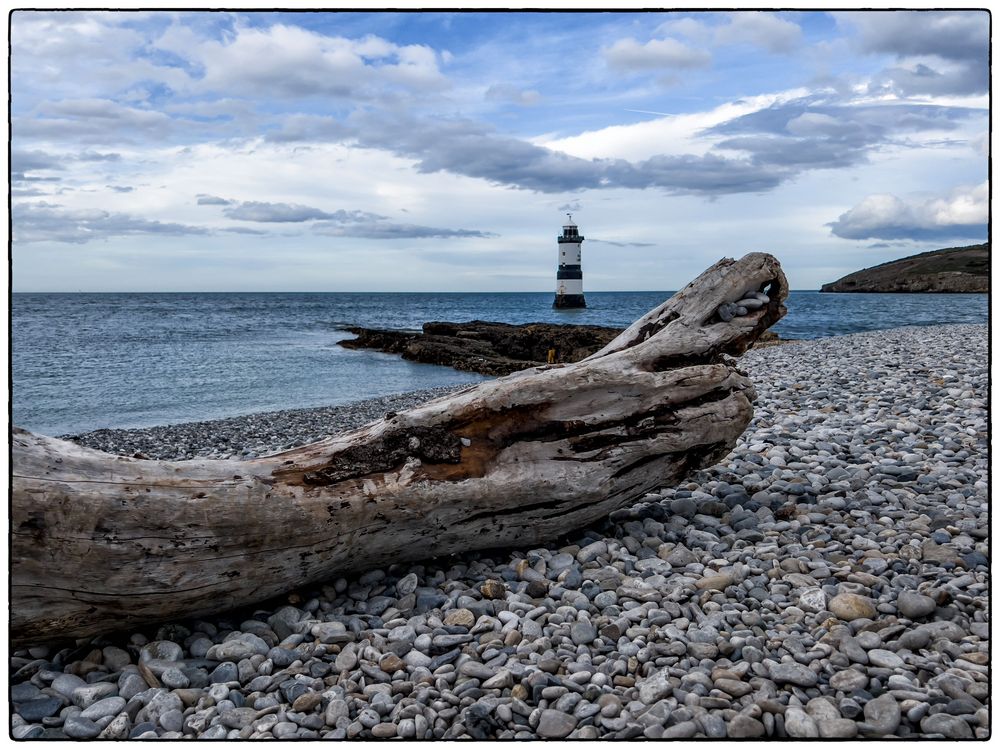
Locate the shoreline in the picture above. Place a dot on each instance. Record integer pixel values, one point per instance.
(251, 435)
(826, 579)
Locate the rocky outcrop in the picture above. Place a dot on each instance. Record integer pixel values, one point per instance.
(493, 348)
(955, 269)
(485, 347)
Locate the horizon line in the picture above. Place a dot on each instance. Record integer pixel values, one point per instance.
(333, 291)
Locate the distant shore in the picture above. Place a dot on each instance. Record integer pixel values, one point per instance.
(954, 270)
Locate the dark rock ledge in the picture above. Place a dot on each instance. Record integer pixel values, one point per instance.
(489, 348)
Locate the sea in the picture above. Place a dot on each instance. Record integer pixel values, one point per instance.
(81, 362)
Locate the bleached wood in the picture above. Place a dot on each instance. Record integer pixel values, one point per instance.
(102, 542)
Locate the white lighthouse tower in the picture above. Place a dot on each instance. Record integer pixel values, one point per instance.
(569, 275)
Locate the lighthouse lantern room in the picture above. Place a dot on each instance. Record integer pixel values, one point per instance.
(569, 275)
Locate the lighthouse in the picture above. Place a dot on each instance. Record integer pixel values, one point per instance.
(569, 275)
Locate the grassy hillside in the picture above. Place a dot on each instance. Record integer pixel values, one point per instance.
(953, 269)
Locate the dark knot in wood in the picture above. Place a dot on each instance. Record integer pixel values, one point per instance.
(434, 445)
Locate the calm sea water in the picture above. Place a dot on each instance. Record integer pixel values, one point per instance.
(86, 361)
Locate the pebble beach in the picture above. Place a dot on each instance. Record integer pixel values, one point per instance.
(827, 579)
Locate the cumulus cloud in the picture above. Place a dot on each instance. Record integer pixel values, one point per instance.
(963, 214)
(967, 206)
(68, 54)
(38, 222)
(631, 55)
(286, 61)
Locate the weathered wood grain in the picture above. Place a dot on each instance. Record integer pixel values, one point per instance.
(102, 542)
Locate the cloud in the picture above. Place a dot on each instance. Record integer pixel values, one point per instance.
(473, 149)
(963, 214)
(99, 121)
(275, 212)
(24, 161)
(687, 27)
(302, 127)
(765, 30)
(797, 153)
(768, 31)
(339, 223)
(37, 222)
(710, 174)
(981, 143)
(384, 230)
(243, 230)
(657, 54)
(73, 54)
(505, 92)
(771, 144)
(813, 133)
(622, 244)
(954, 35)
(938, 52)
(97, 156)
(285, 61)
(919, 79)
(212, 200)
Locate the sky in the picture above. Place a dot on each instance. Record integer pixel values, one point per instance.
(441, 151)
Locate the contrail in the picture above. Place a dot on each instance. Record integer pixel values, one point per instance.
(647, 112)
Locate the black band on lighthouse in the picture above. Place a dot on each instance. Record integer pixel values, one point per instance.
(569, 272)
(569, 300)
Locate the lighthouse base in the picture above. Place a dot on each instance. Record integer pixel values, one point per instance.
(566, 301)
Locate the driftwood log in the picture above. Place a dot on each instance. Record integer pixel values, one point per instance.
(102, 542)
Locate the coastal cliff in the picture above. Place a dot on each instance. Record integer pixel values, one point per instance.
(954, 269)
